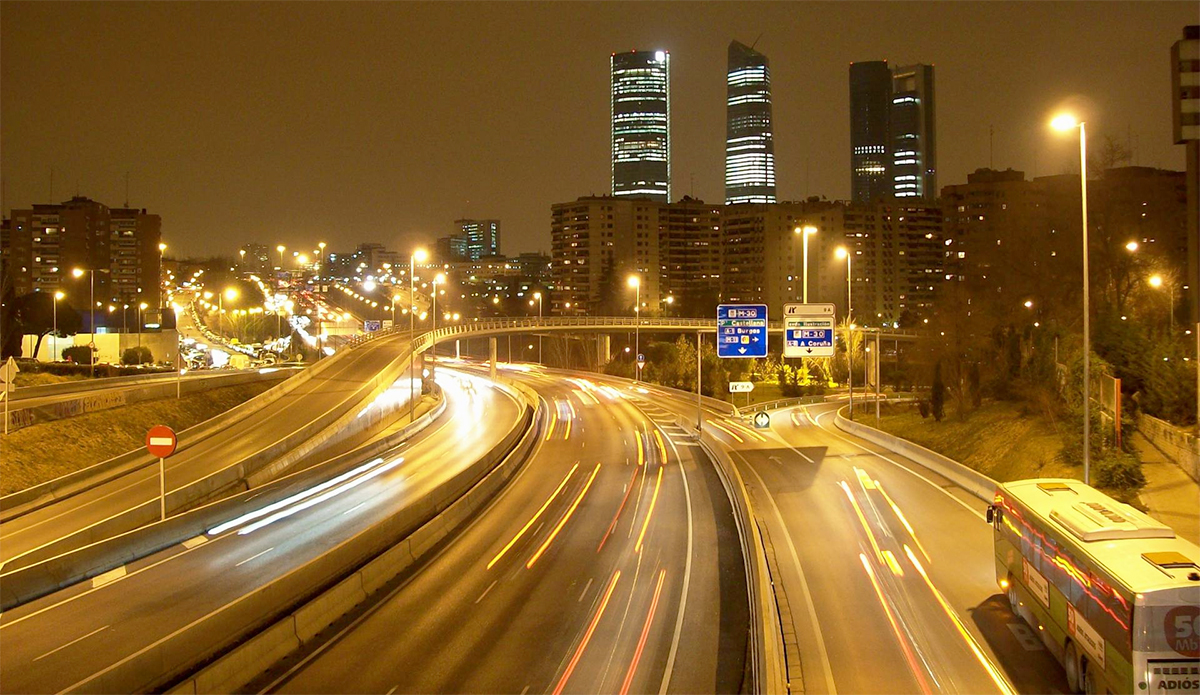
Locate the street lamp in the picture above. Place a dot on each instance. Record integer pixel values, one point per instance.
(281, 248)
(418, 256)
(57, 297)
(321, 267)
(804, 232)
(1156, 281)
(1067, 122)
(141, 308)
(437, 279)
(636, 283)
(232, 294)
(842, 252)
(538, 297)
(161, 248)
(78, 273)
(1131, 246)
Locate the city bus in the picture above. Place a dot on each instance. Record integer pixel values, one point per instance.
(1113, 594)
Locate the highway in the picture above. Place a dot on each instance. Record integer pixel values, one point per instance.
(886, 566)
(331, 390)
(60, 641)
(610, 563)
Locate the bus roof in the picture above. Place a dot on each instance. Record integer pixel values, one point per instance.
(1142, 553)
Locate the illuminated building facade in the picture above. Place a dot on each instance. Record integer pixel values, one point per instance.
(913, 156)
(749, 145)
(870, 102)
(641, 124)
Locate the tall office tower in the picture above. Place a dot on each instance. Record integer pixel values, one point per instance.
(641, 124)
(749, 145)
(482, 237)
(870, 103)
(1185, 122)
(913, 156)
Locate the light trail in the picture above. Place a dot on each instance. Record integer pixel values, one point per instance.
(987, 664)
(662, 448)
(529, 523)
(908, 654)
(903, 520)
(628, 491)
(863, 520)
(649, 511)
(563, 521)
(637, 654)
(587, 636)
(553, 421)
(719, 426)
(641, 451)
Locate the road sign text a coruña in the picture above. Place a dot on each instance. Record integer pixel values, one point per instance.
(808, 330)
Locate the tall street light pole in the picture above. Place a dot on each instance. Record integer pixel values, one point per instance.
(538, 297)
(281, 248)
(636, 283)
(439, 278)
(57, 296)
(842, 252)
(418, 255)
(78, 272)
(161, 248)
(804, 232)
(1068, 122)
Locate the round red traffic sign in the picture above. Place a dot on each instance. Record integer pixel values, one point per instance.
(160, 441)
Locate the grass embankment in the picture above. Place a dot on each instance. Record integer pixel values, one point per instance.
(43, 378)
(1002, 439)
(43, 452)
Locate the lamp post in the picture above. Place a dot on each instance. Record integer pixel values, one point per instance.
(54, 336)
(418, 255)
(538, 297)
(439, 278)
(78, 272)
(804, 232)
(636, 283)
(141, 307)
(281, 248)
(232, 294)
(1068, 122)
(161, 248)
(843, 253)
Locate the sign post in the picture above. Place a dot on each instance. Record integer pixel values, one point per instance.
(160, 442)
(742, 330)
(808, 330)
(8, 377)
(742, 387)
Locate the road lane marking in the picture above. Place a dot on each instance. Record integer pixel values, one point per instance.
(587, 636)
(585, 590)
(108, 577)
(808, 600)
(77, 639)
(535, 517)
(485, 591)
(563, 521)
(637, 654)
(254, 556)
(353, 508)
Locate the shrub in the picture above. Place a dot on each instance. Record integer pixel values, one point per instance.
(1118, 471)
(79, 354)
(139, 354)
(937, 398)
(923, 406)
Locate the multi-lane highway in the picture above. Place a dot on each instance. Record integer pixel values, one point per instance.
(886, 566)
(609, 564)
(62, 641)
(332, 390)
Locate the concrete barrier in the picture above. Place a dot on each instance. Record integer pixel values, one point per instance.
(237, 666)
(966, 478)
(1174, 442)
(96, 550)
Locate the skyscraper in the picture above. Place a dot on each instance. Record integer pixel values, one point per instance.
(870, 103)
(749, 145)
(641, 124)
(911, 126)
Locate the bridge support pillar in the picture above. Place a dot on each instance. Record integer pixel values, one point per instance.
(492, 357)
(603, 348)
(457, 352)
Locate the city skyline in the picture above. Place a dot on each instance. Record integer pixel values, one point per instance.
(261, 184)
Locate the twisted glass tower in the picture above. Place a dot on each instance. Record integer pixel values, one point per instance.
(641, 124)
(749, 144)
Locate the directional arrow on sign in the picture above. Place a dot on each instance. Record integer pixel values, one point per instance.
(742, 350)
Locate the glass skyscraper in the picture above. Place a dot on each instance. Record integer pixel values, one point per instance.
(641, 124)
(913, 142)
(749, 144)
(870, 104)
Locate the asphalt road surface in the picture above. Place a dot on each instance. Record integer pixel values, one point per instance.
(610, 563)
(333, 390)
(58, 642)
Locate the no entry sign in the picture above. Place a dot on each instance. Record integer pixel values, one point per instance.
(160, 441)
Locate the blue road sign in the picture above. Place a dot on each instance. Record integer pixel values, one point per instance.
(742, 330)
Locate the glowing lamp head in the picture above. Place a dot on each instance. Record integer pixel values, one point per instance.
(537, 295)
(281, 248)
(670, 299)
(231, 293)
(1131, 246)
(841, 252)
(1064, 121)
(321, 245)
(420, 255)
(162, 247)
(1028, 303)
(77, 272)
(439, 279)
(633, 281)
(368, 285)
(143, 306)
(1156, 281)
(303, 259)
(59, 295)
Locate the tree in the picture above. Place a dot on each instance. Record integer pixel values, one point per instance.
(938, 393)
(34, 314)
(139, 354)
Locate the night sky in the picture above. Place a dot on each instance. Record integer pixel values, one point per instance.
(298, 122)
